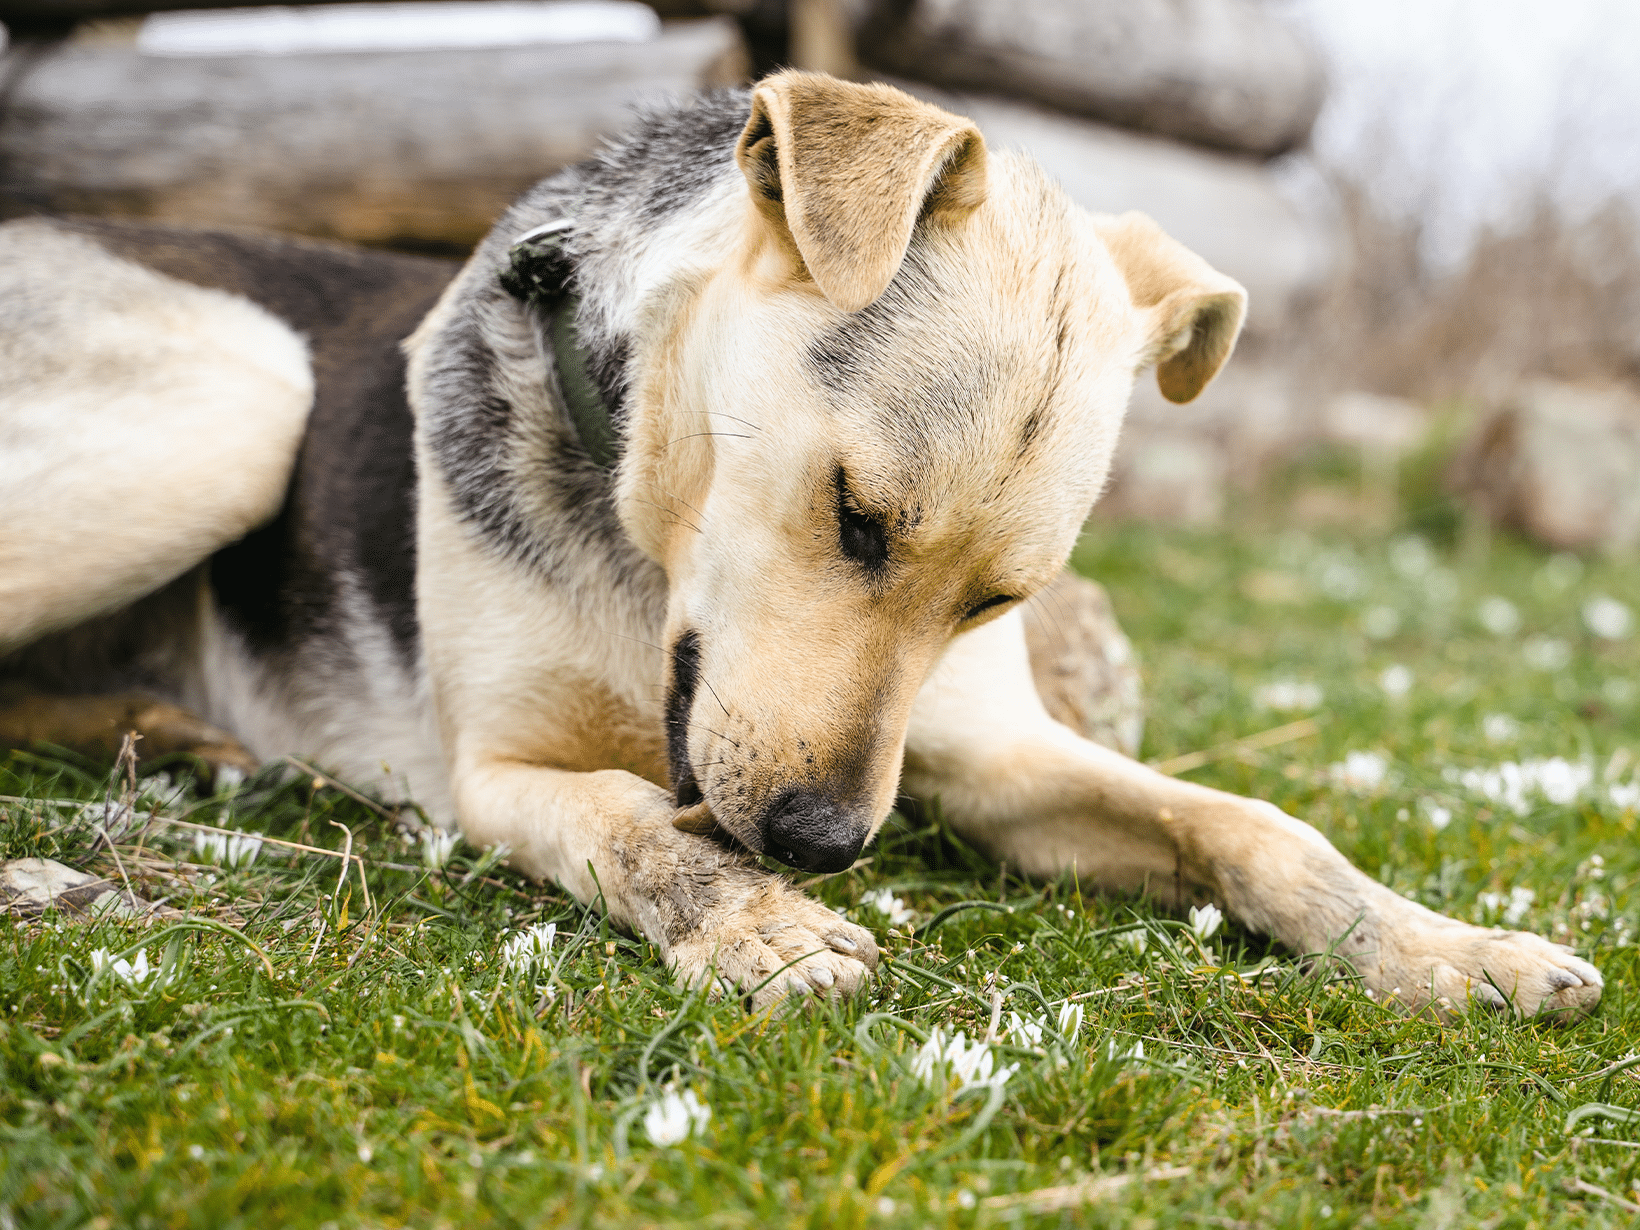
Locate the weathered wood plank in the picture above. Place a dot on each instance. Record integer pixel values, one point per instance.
(419, 148)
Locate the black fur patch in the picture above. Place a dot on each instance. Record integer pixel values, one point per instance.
(680, 700)
(351, 506)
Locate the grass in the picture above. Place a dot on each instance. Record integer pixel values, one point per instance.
(324, 1059)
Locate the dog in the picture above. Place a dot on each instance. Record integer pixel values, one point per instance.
(692, 522)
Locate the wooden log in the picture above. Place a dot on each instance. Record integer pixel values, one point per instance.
(1228, 74)
(412, 149)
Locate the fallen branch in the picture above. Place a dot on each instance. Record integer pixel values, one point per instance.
(1292, 731)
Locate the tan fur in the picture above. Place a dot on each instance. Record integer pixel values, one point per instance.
(186, 404)
(842, 173)
(811, 674)
(906, 330)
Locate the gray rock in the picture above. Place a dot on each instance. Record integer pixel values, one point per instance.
(31, 886)
(1084, 667)
(1560, 463)
(1230, 74)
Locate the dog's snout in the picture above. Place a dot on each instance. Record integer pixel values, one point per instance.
(813, 833)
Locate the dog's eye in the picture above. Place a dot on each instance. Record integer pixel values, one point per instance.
(861, 537)
(990, 603)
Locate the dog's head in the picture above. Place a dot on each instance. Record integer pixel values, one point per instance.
(879, 423)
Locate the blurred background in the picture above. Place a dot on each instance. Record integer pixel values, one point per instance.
(1432, 202)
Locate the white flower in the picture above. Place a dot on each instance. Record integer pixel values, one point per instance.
(1287, 695)
(1070, 1021)
(528, 947)
(1025, 1032)
(436, 848)
(1513, 907)
(885, 902)
(1361, 771)
(1509, 784)
(1396, 681)
(1624, 795)
(1380, 622)
(673, 1117)
(235, 850)
(965, 1199)
(132, 974)
(1498, 616)
(1411, 556)
(1134, 939)
(1132, 1054)
(1608, 618)
(1546, 653)
(1499, 727)
(939, 1062)
(1439, 817)
(1205, 921)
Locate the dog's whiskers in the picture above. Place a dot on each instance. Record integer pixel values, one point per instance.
(730, 435)
(725, 415)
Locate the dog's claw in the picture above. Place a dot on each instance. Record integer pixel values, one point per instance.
(698, 820)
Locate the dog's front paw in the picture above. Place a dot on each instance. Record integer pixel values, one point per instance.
(771, 942)
(1449, 965)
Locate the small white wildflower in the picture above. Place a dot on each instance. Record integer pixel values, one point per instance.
(1134, 939)
(1499, 728)
(675, 1116)
(1498, 616)
(1205, 921)
(1380, 622)
(1070, 1021)
(133, 974)
(1411, 556)
(1022, 1032)
(886, 903)
(1132, 1054)
(196, 1151)
(1340, 579)
(1396, 681)
(1439, 817)
(1546, 653)
(365, 1152)
(965, 1199)
(939, 1062)
(436, 848)
(229, 850)
(1288, 695)
(1624, 795)
(1608, 618)
(885, 1206)
(1360, 771)
(528, 947)
(1520, 900)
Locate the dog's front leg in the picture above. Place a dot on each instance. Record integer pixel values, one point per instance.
(1027, 789)
(711, 911)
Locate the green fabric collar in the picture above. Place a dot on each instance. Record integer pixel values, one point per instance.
(539, 273)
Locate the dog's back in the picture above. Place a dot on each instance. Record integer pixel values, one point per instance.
(208, 464)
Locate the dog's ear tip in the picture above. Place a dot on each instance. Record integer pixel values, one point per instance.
(1208, 325)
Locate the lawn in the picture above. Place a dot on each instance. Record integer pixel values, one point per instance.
(397, 1039)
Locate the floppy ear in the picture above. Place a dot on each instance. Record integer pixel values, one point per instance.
(843, 173)
(1194, 311)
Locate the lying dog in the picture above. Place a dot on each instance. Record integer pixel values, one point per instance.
(727, 463)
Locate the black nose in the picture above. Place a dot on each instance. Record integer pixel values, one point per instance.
(812, 833)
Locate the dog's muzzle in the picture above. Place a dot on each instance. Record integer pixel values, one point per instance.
(812, 832)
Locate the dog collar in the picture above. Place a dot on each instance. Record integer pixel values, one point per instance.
(539, 273)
